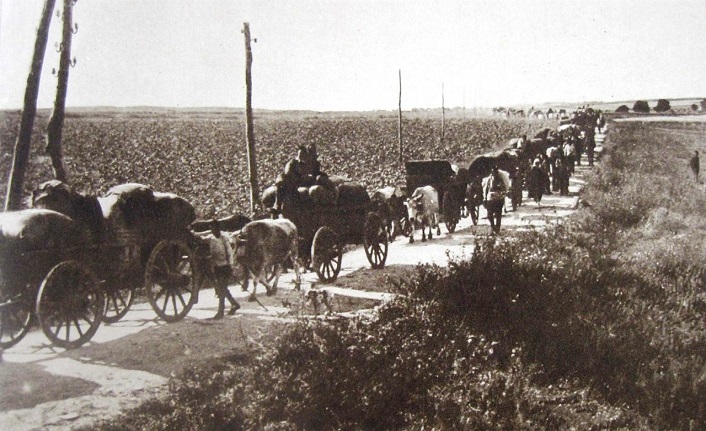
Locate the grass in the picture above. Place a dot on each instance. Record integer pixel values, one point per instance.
(593, 324)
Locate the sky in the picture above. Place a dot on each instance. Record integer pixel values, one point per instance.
(345, 55)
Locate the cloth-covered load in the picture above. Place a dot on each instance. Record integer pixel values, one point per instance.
(40, 229)
(137, 211)
(328, 191)
(352, 193)
(321, 195)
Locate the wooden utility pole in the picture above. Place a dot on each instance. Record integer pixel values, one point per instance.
(399, 116)
(29, 111)
(443, 114)
(56, 123)
(249, 133)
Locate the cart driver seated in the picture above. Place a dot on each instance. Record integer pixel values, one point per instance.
(301, 171)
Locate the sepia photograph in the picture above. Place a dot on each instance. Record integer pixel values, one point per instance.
(352, 215)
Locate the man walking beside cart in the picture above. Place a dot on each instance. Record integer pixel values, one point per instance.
(222, 264)
(494, 191)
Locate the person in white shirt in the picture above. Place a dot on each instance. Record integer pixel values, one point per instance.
(222, 264)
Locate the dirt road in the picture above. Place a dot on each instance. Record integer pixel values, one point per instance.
(42, 387)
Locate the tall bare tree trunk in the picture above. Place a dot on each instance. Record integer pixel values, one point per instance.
(399, 118)
(443, 115)
(29, 111)
(56, 123)
(249, 133)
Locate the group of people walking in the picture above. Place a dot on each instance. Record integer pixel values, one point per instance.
(547, 168)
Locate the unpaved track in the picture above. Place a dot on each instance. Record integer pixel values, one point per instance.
(80, 390)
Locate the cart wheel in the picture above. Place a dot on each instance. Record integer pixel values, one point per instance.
(327, 254)
(15, 320)
(375, 241)
(119, 300)
(70, 305)
(170, 281)
(451, 211)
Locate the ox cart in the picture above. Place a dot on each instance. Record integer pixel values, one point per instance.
(71, 276)
(325, 228)
(450, 187)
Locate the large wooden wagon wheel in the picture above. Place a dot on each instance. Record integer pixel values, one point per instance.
(375, 240)
(170, 280)
(15, 319)
(70, 304)
(119, 299)
(451, 211)
(327, 254)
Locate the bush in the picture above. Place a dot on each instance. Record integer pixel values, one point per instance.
(641, 106)
(555, 329)
(694, 107)
(662, 105)
(622, 109)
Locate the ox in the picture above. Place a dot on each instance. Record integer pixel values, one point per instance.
(389, 204)
(423, 210)
(482, 165)
(267, 244)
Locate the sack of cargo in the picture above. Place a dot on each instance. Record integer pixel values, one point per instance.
(337, 180)
(303, 193)
(351, 193)
(269, 196)
(321, 195)
(40, 229)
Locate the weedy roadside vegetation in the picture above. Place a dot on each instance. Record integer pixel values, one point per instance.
(597, 323)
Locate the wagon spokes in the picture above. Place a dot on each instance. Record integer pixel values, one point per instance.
(327, 254)
(119, 301)
(375, 240)
(15, 320)
(170, 271)
(69, 296)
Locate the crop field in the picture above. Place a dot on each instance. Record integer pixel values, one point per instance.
(200, 155)
(597, 323)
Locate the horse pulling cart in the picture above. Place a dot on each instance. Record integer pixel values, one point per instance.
(72, 275)
(450, 187)
(326, 228)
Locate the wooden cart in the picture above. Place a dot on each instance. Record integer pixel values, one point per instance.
(324, 230)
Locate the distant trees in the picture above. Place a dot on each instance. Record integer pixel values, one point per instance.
(662, 105)
(703, 105)
(641, 106)
(623, 109)
(694, 107)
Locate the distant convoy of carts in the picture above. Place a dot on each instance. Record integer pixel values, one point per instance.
(72, 262)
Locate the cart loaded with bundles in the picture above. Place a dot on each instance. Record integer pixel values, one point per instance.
(76, 261)
(329, 215)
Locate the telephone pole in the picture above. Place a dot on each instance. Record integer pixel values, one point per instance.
(399, 117)
(443, 114)
(56, 122)
(249, 133)
(29, 111)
